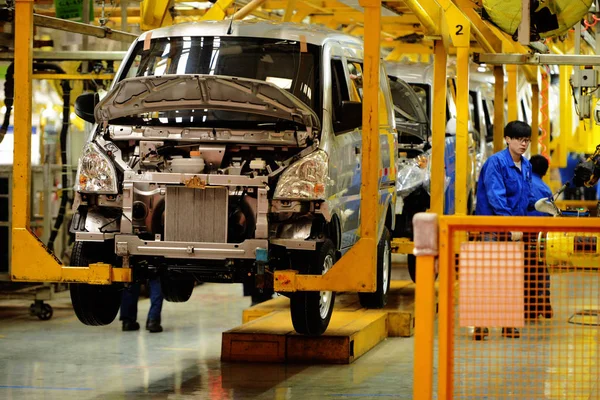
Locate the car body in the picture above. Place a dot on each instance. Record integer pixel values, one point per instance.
(230, 150)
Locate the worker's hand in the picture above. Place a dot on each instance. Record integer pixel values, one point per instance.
(516, 236)
(583, 173)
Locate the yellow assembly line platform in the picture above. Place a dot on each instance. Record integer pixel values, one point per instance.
(267, 334)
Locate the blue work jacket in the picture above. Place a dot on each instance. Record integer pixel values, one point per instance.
(539, 190)
(502, 188)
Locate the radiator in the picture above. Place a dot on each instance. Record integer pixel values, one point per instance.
(196, 215)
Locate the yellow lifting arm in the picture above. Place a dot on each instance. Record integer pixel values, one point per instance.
(154, 14)
(218, 10)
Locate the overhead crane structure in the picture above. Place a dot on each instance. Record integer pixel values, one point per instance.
(437, 27)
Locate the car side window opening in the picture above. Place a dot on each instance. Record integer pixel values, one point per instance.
(404, 108)
(339, 91)
(355, 70)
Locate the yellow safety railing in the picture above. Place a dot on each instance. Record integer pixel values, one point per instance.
(509, 326)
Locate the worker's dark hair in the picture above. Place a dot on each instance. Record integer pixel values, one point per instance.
(539, 164)
(517, 129)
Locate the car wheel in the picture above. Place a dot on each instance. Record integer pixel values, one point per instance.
(176, 290)
(311, 311)
(378, 299)
(93, 304)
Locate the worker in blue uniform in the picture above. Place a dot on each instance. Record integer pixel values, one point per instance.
(539, 168)
(131, 295)
(504, 189)
(537, 282)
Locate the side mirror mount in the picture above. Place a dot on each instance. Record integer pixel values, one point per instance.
(85, 104)
(350, 118)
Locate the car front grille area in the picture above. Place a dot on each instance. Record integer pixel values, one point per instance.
(196, 214)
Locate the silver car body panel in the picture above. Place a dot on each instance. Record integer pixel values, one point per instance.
(221, 135)
(342, 191)
(131, 245)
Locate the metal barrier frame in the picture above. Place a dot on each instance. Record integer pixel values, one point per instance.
(424, 328)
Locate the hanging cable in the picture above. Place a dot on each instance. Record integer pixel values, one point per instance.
(9, 94)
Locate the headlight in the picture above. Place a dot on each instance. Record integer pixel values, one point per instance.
(305, 179)
(95, 172)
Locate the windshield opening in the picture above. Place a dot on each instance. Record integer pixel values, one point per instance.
(284, 63)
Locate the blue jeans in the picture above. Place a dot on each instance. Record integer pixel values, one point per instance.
(130, 298)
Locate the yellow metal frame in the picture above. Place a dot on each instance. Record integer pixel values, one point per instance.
(458, 27)
(438, 128)
(154, 14)
(512, 93)
(535, 118)
(356, 270)
(31, 261)
(559, 157)
(402, 246)
(74, 77)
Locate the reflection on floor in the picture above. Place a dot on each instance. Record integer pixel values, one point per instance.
(63, 359)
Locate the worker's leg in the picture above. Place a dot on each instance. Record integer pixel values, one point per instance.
(156, 301)
(129, 301)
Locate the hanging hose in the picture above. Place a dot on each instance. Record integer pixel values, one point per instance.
(9, 90)
(9, 94)
(64, 199)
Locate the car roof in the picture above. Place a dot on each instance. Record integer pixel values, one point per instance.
(262, 29)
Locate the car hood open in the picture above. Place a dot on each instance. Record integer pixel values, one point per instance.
(133, 96)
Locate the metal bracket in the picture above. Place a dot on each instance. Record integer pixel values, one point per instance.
(536, 59)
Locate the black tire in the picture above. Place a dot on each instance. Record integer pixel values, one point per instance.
(311, 311)
(412, 266)
(378, 299)
(94, 305)
(176, 290)
(46, 313)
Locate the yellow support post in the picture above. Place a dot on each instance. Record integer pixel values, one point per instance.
(22, 114)
(535, 119)
(462, 128)
(566, 117)
(511, 87)
(447, 278)
(545, 122)
(438, 128)
(498, 108)
(425, 317)
(458, 26)
(356, 269)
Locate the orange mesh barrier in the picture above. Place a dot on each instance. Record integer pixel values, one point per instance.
(519, 319)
